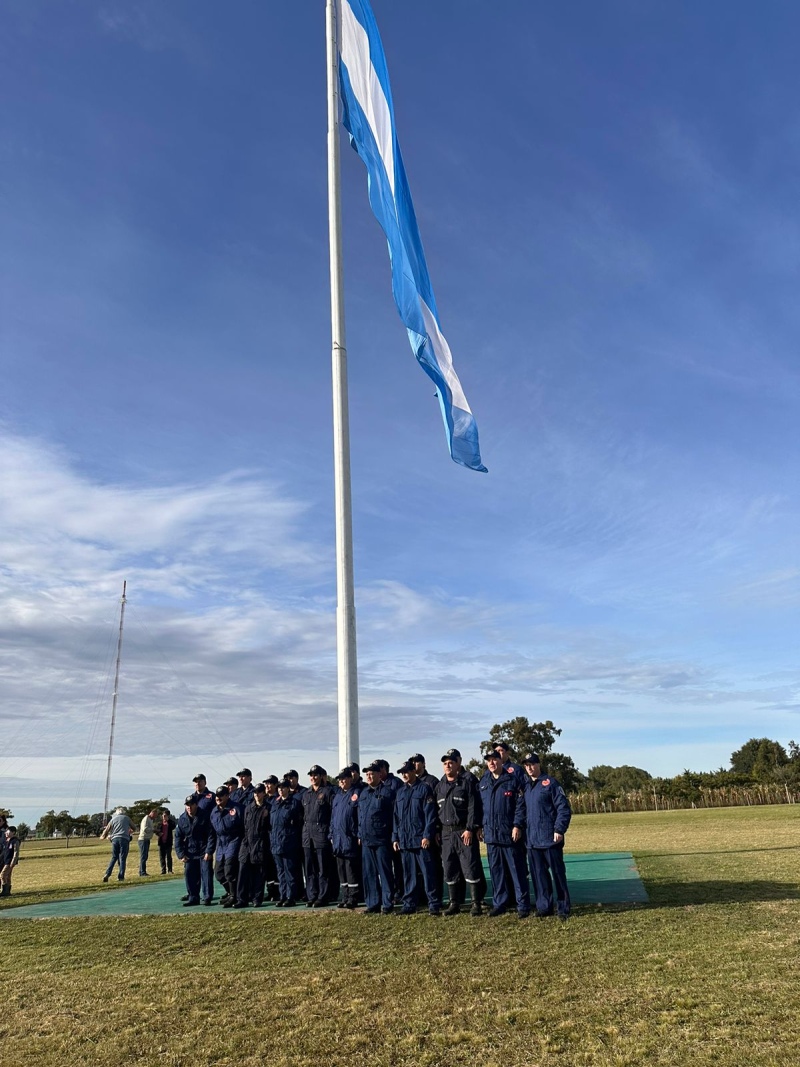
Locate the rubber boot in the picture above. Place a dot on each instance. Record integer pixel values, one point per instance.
(476, 908)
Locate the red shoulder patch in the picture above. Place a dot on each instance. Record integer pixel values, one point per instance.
(354, 796)
(545, 781)
(509, 770)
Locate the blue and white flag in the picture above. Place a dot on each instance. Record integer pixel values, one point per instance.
(369, 119)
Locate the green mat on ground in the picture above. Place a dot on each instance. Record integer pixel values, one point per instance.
(594, 878)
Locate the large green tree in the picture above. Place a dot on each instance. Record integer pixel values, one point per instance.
(614, 781)
(759, 758)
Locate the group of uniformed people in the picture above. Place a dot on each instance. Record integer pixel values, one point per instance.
(383, 840)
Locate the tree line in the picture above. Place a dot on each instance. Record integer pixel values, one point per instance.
(762, 771)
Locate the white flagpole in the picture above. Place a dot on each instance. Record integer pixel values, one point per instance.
(345, 605)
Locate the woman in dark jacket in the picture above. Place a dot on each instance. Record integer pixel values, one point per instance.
(164, 832)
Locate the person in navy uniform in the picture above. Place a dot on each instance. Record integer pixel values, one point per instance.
(424, 775)
(191, 846)
(206, 803)
(227, 829)
(343, 836)
(509, 766)
(243, 790)
(358, 781)
(415, 827)
(503, 799)
(317, 806)
(286, 819)
(273, 891)
(375, 824)
(547, 815)
(460, 816)
(253, 851)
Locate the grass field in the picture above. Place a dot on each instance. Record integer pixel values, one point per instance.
(707, 973)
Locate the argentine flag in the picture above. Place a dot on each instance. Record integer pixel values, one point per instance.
(368, 115)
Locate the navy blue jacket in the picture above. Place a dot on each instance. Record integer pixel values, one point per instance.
(191, 836)
(317, 805)
(517, 770)
(343, 832)
(255, 842)
(205, 801)
(503, 807)
(376, 814)
(286, 820)
(226, 831)
(547, 811)
(415, 815)
(243, 797)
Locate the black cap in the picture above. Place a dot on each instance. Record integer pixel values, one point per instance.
(383, 763)
(197, 777)
(244, 771)
(284, 783)
(232, 781)
(291, 774)
(272, 780)
(416, 758)
(452, 753)
(374, 766)
(260, 788)
(222, 791)
(354, 767)
(345, 772)
(190, 800)
(316, 769)
(492, 753)
(407, 768)
(531, 757)
(503, 745)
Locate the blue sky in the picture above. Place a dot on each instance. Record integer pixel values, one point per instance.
(608, 199)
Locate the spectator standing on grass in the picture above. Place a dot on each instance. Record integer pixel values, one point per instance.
(344, 838)
(147, 830)
(119, 831)
(415, 826)
(227, 828)
(503, 801)
(165, 831)
(191, 847)
(548, 815)
(9, 858)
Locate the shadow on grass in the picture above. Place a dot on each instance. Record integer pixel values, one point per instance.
(683, 894)
(643, 854)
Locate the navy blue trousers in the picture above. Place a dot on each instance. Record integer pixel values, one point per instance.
(378, 875)
(544, 863)
(416, 860)
(191, 875)
(507, 865)
(288, 876)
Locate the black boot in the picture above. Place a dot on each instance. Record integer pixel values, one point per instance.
(452, 908)
(476, 908)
